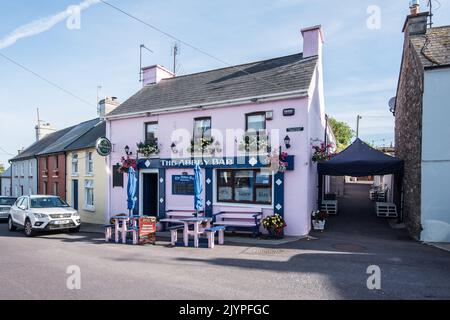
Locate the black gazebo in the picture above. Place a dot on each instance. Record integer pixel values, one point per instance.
(361, 160)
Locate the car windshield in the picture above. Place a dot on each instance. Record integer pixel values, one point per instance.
(7, 201)
(50, 202)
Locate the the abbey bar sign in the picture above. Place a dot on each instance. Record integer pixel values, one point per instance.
(216, 162)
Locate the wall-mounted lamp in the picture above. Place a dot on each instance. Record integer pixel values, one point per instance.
(173, 146)
(287, 142)
(127, 151)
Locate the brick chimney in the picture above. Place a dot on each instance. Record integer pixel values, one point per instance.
(416, 23)
(106, 106)
(312, 41)
(154, 74)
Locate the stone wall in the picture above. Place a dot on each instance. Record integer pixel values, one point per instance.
(408, 135)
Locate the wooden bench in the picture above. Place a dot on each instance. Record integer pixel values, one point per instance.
(174, 234)
(235, 219)
(134, 231)
(386, 210)
(173, 216)
(211, 235)
(108, 231)
(330, 206)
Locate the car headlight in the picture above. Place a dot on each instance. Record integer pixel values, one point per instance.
(40, 215)
(75, 214)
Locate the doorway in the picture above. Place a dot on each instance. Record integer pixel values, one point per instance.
(149, 205)
(75, 194)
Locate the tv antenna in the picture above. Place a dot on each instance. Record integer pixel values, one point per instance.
(141, 73)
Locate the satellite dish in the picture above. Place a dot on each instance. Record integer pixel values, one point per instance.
(392, 105)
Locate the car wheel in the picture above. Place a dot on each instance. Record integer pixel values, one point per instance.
(11, 226)
(75, 230)
(29, 228)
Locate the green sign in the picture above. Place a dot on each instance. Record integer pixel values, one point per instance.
(103, 146)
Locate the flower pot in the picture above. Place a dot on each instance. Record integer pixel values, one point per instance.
(275, 233)
(319, 225)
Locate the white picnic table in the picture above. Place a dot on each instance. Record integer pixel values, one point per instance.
(123, 229)
(198, 229)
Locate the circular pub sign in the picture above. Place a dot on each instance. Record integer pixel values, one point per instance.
(103, 146)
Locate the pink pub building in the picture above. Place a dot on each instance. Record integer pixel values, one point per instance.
(235, 122)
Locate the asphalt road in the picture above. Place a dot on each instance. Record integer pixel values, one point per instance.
(332, 267)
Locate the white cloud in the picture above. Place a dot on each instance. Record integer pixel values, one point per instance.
(41, 25)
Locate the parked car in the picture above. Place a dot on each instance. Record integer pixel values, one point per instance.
(42, 213)
(5, 205)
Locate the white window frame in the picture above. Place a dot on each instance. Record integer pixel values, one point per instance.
(75, 164)
(89, 163)
(30, 169)
(89, 186)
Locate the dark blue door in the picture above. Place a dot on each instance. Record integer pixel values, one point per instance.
(75, 194)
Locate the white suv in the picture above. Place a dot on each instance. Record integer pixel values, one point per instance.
(42, 213)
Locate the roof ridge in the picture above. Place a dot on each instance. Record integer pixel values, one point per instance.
(236, 66)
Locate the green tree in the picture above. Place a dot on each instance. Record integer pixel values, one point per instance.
(342, 132)
(2, 168)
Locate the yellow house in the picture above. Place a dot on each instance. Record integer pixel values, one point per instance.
(86, 176)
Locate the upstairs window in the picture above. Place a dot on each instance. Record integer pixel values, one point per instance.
(151, 133)
(202, 128)
(74, 164)
(55, 163)
(89, 163)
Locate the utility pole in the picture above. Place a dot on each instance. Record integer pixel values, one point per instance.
(358, 118)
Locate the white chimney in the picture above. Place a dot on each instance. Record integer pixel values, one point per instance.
(43, 129)
(106, 106)
(312, 41)
(154, 74)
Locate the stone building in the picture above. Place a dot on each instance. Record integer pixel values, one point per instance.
(421, 123)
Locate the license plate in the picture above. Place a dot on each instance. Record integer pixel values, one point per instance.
(59, 222)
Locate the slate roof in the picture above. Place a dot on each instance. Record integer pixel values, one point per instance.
(6, 173)
(70, 137)
(40, 145)
(437, 47)
(279, 75)
(89, 139)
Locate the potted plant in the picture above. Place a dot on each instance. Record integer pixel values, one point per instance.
(204, 145)
(148, 149)
(319, 219)
(126, 164)
(274, 225)
(254, 143)
(277, 163)
(322, 152)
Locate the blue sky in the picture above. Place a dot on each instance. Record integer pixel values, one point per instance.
(361, 65)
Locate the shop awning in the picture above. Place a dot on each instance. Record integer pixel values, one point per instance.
(360, 160)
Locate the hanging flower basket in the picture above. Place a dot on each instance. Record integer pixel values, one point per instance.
(148, 149)
(322, 152)
(127, 163)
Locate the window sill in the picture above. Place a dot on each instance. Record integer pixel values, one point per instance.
(89, 208)
(243, 205)
(90, 175)
(74, 175)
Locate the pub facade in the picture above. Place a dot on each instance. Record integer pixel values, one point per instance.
(250, 127)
